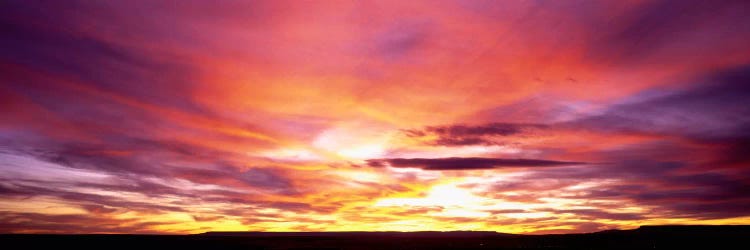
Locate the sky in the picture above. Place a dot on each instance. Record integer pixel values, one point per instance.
(533, 117)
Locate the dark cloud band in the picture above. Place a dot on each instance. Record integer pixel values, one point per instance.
(469, 163)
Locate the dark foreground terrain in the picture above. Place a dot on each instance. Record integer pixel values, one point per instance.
(647, 237)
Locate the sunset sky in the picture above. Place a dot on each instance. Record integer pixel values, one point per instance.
(510, 116)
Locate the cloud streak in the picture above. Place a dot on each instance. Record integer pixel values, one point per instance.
(459, 134)
(471, 163)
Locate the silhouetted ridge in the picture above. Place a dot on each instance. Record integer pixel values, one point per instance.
(352, 234)
(694, 228)
(647, 237)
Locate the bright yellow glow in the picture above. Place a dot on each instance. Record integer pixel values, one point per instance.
(442, 195)
(362, 152)
(352, 142)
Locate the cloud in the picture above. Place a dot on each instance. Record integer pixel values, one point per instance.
(268, 179)
(668, 188)
(470, 163)
(75, 223)
(91, 60)
(713, 110)
(664, 29)
(710, 109)
(400, 40)
(69, 193)
(461, 135)
(590, 214)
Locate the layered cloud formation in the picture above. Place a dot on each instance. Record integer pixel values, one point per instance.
(513, 116)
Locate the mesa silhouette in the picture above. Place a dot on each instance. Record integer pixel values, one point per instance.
(645, 237)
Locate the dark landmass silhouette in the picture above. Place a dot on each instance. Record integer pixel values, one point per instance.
(418, 234)
(645, 237)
